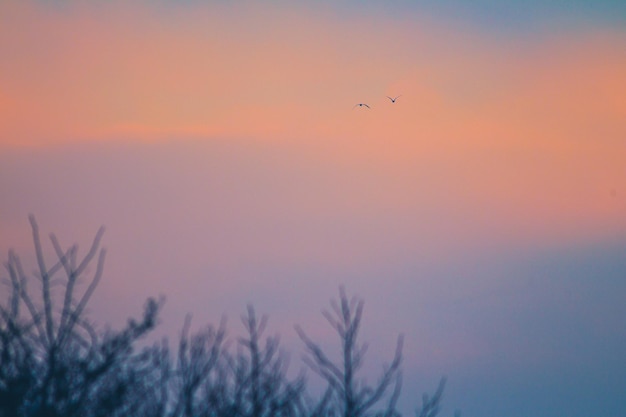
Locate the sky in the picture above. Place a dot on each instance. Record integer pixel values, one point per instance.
(482, 215)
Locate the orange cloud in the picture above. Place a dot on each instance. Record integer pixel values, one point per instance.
(239, 72)
(533, 128)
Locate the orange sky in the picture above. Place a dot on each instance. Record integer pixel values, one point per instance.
(222, 140)
(556, 101)
(111, 72)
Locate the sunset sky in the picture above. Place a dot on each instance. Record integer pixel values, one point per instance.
(482, 215)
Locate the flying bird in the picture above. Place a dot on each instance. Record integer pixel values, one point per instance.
(361, 105)
(393, 100)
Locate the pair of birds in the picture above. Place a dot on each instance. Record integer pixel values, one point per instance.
(393, 100)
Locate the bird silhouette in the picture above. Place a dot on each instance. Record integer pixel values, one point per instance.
(393, 100)
(361, 105)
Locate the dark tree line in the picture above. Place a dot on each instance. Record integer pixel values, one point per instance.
(55, 362)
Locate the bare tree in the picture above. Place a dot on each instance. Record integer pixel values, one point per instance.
(351, 396)
(198, 355)
(253, 381)
(148, 383)
(431, 405)
(54, 362)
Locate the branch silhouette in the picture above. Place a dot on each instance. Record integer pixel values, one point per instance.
(55, 362)
(352, 397)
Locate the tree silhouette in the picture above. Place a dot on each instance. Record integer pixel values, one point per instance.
(348, 395)
(431, 405)
(54, 363)
(252, 382)
(198, 356)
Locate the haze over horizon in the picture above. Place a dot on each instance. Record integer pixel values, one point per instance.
(483, 214)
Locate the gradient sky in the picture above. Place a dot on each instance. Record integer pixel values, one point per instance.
(483, 214)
